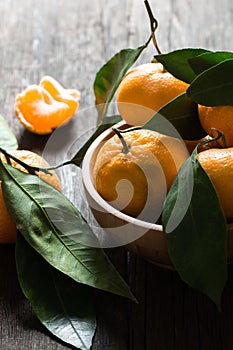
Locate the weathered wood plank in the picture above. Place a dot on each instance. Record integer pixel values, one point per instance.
(138, 312)
(112, 311)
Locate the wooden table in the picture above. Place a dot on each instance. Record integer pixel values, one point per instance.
(70, 40)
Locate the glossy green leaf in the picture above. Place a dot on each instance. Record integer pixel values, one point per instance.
(209, 59)
(214, 86)
(106, 124)
(56, 230)
(110, 75)
(7, 138)
(177, 62)
(64, 307)
(178, 117)
(196, 232)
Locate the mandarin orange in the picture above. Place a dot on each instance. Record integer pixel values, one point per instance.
(8, 228)
(144, 90)
(220, 118)
(218, 163)
(137, 182)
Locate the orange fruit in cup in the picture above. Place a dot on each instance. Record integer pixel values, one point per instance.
(144, 90)
(136, 182)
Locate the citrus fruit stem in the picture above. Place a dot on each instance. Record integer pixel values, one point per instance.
(133, 128)
(29, 168)
(220, 135)
(125, 148)
(32, 169)
(153, 25)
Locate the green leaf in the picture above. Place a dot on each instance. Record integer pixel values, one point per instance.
(106, 124)
(182, 114)
(207, 60)
(64, 307)
(57, 231)
(196, 232)
(7, 139)
(214, 87)
(110, 75)
(177, 63)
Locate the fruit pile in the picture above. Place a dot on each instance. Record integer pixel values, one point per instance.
(144, 91)
(185, 95)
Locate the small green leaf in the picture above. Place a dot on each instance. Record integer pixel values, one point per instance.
(110, 75)
(182, 114)
(209, 59)
(106, 124)
(56, 230)
(196, 232)
(64, 307)
(177, 63)
(7, 138)
(214, 87)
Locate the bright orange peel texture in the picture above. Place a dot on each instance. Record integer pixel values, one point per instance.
(45, 107)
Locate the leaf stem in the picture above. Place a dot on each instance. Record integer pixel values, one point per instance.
(220, 135)
(31, 169)
(133, 128)
(153, 26)
(211, 139)
(125, 148)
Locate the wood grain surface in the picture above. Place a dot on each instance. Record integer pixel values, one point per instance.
(70, 40)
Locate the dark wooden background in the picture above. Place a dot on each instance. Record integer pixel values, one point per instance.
(70, 40)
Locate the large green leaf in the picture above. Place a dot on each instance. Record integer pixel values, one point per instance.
(177, 62)
(110, 75)
(7, 138)
(209, 59)
(106, 124)
(182, 114)
(65, 307)
(196, 232)
(54, 228)
(214, 86)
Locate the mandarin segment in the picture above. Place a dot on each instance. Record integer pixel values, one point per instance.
(38, 111)
(68, 96)
(45, 107)
(8, 228)
(144, 90)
